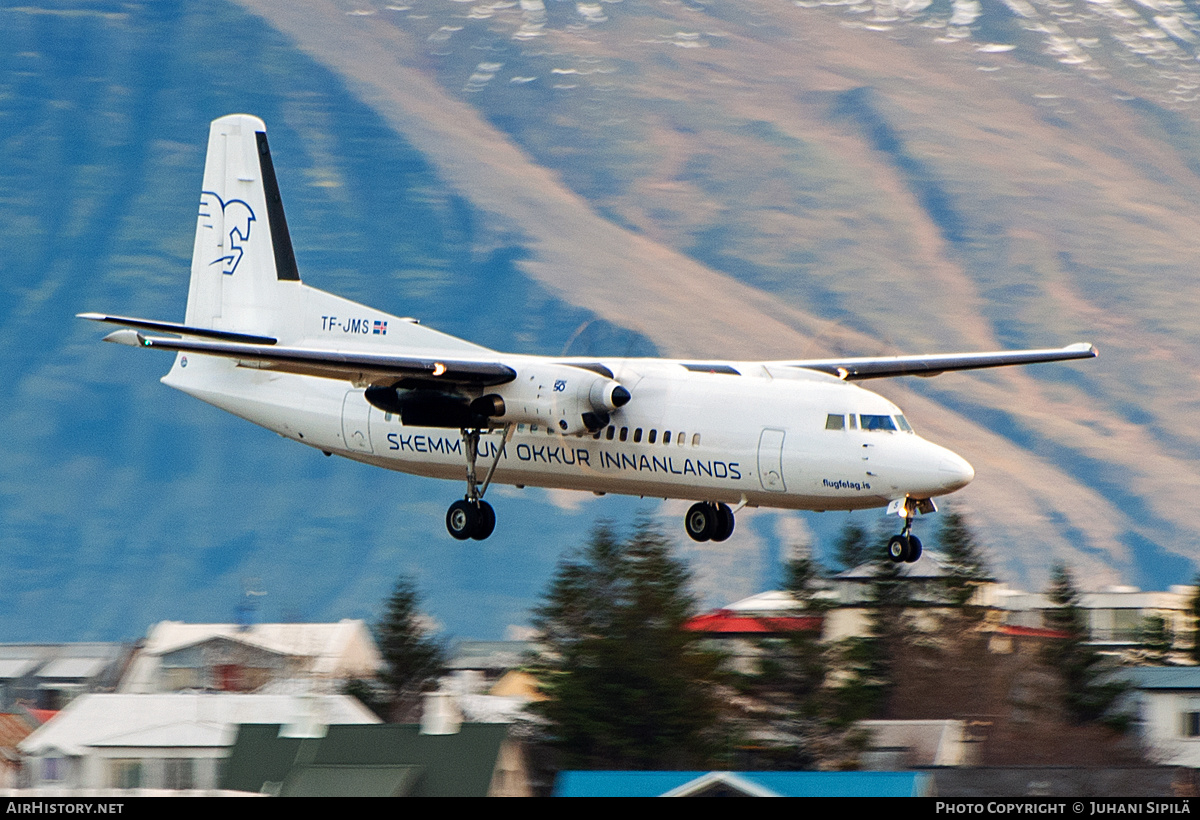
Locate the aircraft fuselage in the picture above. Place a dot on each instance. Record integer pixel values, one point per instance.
(752, 437)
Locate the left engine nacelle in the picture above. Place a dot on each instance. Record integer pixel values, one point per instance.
(567, 399)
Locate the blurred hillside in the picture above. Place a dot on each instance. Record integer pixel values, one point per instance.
(738, 179)
(797, 179)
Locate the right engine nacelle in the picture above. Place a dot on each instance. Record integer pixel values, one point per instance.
(567, 399)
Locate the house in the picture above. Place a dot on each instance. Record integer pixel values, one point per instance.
(48, 676)
(913, 744)
(179, 657)
(1116, 615)
(742, 629)
(164, 741)
(14, 727)
(385, 760)
(1167, 708)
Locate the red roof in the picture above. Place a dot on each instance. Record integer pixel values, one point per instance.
(43, 714)
(723, 621)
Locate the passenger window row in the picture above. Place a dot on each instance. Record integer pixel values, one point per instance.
(611, 433)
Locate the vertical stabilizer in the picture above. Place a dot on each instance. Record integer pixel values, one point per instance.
(243, 254)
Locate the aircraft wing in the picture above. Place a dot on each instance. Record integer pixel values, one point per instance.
(889, 366)
(354, 366)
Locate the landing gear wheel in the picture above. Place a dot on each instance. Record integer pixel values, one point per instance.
(898, 548)
(700, 521)
(914, 549)
(462, 519)
(725, 522)
(486, 523)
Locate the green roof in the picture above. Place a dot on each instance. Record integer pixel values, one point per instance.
(372, 760)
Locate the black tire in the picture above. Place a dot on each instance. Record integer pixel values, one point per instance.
(724, 524)
(700, 521)
(462, 519)
(486, 523)
(914, 549)
(898, 548)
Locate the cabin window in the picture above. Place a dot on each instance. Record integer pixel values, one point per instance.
(876, 423)
(652, 437)
(680, 439)
(612, 431)
(1190, 719)
(904, 425)
(667, 437)
(637, 435)
(834, 422)
(695, 439)
(624, 433)
(533, 428)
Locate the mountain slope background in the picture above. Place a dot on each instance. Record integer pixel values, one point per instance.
(751, 179)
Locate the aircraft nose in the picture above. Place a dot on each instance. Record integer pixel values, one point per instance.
(954, 472)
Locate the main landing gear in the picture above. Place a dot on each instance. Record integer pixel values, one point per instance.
(472, 517)
(708, 521)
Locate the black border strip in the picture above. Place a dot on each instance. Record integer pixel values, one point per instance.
(285, 257)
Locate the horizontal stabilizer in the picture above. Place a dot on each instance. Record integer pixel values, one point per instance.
(174, 327)
(890, 366)
(358, 367)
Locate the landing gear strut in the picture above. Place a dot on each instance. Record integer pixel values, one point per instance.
(905, 547)
(472, 517)
(708, 521)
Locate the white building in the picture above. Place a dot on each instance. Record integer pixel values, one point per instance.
(164, 741)
(1167, 700)
(1115, 615)
(181, 657)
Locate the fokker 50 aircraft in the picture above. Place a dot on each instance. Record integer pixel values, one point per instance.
(348, 379)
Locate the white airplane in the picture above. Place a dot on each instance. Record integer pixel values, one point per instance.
(348, 379)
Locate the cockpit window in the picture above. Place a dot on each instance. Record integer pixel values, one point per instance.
(834, 422)
(904, 425)
(873, 423)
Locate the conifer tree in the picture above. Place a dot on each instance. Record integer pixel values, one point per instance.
(855, 546)
(1088, 690)
(966, 567)
(628, 686)
(412, 659)
(1155, 640)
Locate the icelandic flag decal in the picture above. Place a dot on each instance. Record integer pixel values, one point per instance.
(380, 328)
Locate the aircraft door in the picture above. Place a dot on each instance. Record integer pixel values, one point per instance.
(770, 460)
(356, 429)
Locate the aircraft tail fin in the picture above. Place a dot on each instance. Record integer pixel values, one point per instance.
(243, 252)
(244, 279)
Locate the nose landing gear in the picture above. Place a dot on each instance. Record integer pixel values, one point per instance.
(906, 547)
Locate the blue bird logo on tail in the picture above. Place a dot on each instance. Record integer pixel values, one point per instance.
(236, 216)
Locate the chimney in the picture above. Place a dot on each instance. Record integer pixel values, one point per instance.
(441, 715)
